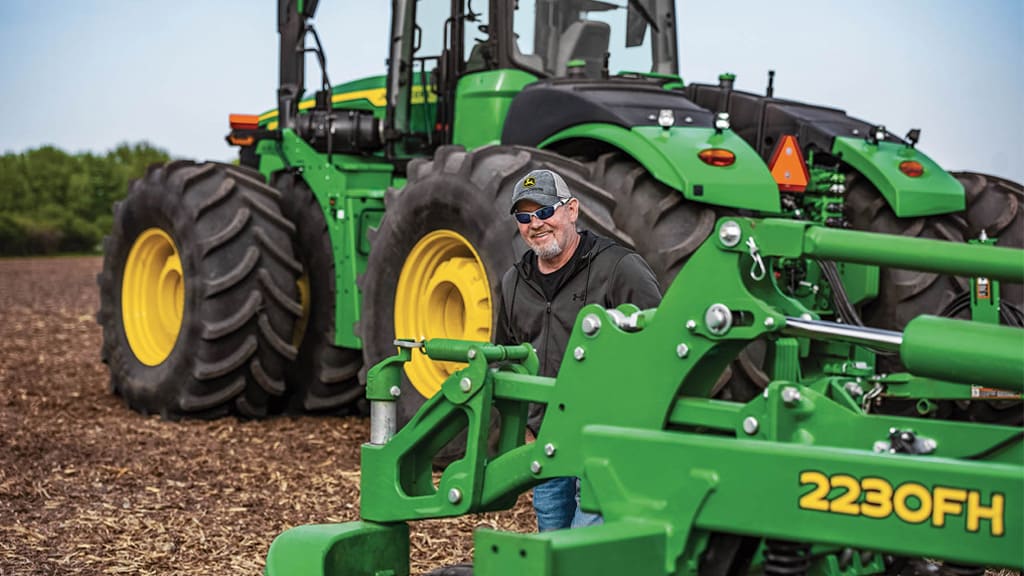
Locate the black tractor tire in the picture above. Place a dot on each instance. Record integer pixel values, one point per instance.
(469, 193)
(324, 378)
(902, 294)
(236, 287)
(996, 206)
(665, 228)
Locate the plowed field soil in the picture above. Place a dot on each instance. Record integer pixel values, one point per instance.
(90, 487)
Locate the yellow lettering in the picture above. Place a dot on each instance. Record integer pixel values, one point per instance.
(846, 503)
(815, 499)
(993, 513)
(947, 501)
(877, 498)
(923, 496)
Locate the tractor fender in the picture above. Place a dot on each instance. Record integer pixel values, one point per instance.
(935, 191)
(671, 156)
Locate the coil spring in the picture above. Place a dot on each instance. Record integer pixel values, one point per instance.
(783, 558)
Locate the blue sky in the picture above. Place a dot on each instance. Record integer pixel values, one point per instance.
(88, 74)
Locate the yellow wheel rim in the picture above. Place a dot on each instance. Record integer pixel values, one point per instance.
(152, 296)
(302, 284)
(442, 292)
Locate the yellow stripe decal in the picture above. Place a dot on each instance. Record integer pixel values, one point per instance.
(375, 96)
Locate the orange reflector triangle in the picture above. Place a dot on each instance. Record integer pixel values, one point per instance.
(787, 165)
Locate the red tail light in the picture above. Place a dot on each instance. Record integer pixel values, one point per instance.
(911, 168)
(717, 157)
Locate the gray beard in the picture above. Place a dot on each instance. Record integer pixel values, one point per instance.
(548, 250)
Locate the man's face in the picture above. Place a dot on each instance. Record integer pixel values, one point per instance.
(547, 238)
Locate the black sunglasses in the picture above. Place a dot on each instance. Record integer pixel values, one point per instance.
(541, 214)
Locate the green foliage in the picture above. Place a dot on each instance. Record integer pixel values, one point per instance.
(52, 201)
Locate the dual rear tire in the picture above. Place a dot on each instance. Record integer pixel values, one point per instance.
(197, 293)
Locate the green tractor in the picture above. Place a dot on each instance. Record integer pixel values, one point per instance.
(377, 208)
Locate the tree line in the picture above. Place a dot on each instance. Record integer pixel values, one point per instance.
(53, 202)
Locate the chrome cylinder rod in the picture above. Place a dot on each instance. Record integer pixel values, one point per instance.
(821, 330)
(383, 421)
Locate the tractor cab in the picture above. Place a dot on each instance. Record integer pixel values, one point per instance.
(467, 59)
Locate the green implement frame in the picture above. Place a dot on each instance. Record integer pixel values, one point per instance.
(680, 478)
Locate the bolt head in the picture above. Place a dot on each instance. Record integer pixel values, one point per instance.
(718, 319)
(471, 354)
(591, 324)
(750, 425)
(578, 353)
(854, 389)
(454, 495)
(691, 325)
(729, 233)
(682, 350)
(790, 395)
(535, 467)
(769, 322)
(395, 391)
(465, 384)
(549, 449)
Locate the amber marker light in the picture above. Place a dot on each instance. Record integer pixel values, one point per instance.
(244, 121)
(717, 157)
(911, 168)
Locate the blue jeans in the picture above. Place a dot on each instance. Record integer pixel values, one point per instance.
(557, 504)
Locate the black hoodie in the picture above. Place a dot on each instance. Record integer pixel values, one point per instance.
(605, 274)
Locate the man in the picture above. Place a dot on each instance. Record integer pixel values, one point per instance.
(542, 294)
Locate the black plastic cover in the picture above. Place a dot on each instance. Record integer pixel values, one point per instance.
(544, 108)
(761, 120)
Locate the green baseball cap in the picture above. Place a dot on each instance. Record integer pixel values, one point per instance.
(542, 186)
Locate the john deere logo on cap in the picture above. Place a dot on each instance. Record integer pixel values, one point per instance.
(529, 182)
